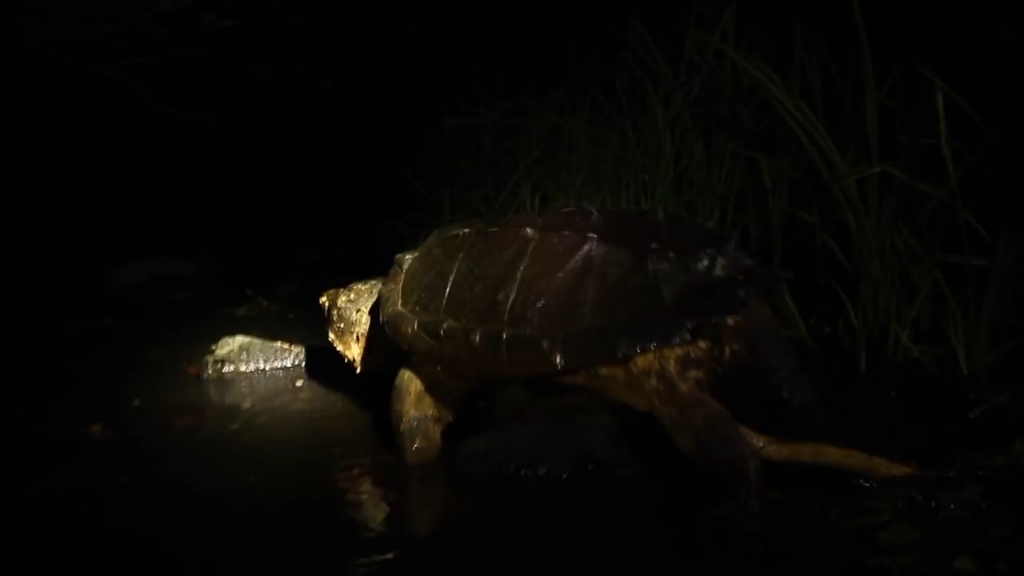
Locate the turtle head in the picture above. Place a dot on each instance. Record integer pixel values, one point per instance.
(349, 319)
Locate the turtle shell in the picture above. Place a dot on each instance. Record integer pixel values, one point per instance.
(537, 294)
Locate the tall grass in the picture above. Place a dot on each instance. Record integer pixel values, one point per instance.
(829, 172)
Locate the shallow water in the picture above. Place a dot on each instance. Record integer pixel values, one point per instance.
(147, 463)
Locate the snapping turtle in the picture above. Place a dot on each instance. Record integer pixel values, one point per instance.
(641, 308)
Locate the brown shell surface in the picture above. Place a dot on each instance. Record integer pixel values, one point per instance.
(537, 294)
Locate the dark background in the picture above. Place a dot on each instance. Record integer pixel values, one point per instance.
(280, 140)
(172, 130)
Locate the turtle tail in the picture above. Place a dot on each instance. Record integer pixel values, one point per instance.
(826, 455)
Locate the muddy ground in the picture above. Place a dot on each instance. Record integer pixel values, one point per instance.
(145, 466)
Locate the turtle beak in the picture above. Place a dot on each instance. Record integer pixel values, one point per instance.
(351, 351)
(328, 298)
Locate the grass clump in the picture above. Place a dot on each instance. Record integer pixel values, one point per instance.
(851, 181)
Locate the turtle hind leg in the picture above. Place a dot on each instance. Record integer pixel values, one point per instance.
(703, 429)
(671, 385)
(826, 455)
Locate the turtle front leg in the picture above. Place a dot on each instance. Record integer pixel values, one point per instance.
(423, 403)
(418, 419)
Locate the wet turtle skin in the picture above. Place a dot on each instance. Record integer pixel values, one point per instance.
(642, 308)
